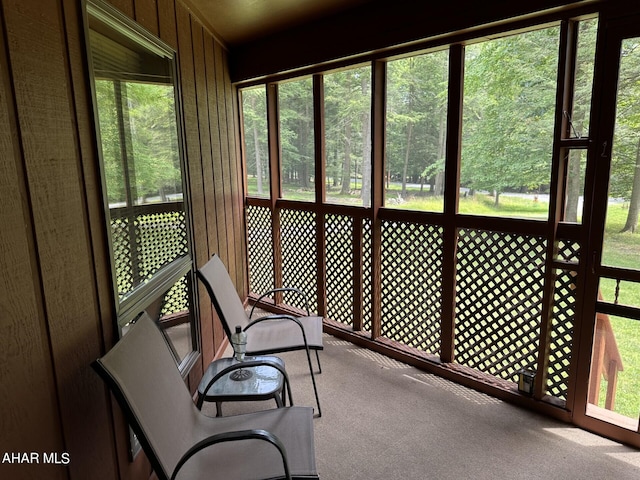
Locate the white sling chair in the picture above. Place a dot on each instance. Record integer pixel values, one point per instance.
(265, 335)
(180, 441)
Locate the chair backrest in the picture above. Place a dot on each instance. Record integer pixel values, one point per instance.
(144, 378)
(224, 296)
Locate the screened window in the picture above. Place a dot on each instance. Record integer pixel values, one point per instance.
(256, 147)
(347, 104)
(416, 120)
(297, 157)
(143, 177)
(508, 125)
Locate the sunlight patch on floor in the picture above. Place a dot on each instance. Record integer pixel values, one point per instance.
(459, 390)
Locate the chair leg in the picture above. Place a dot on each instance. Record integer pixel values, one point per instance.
(318, 359)
(313, 380)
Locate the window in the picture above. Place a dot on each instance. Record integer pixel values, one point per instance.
(297, 153)
(347, 104)
(416, 121)
(508, 125)
(143, 176)
(256, 147)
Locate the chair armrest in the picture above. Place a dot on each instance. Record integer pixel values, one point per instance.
(239, 366)
(234, 437)
(283, 289)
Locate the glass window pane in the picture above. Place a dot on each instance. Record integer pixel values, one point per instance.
(585, 56)
(256, 147)
(137, 111)
(574, 191)
(347, 103)
(416, 121)
(297, 157)
(507, 134)
(621, 248)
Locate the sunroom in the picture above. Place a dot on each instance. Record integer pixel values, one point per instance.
(454, 186)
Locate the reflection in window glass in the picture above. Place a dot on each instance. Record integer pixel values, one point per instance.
(416, 120)
(574, 191)
(142, 168)
(256, 147)
(297, 161)
(347, 103)
(507, 134)
(621, 247)
(585, 56)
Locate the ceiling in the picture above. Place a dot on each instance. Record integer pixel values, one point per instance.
(242, 21)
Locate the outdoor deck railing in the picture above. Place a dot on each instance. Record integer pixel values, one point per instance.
(388, 284)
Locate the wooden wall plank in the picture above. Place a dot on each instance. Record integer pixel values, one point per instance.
(194, 165)
(125, 6)
(91, 175)
(37, 44)
(235, 170)
(208, 341)
(26, 375)
(217, 207)
(146, 14)
(223, 199)
(167, 23)
(216, 204)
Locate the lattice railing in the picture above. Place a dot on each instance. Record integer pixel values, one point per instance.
(339, 267)
(299, 258)
(367, 269)
(411, 276)
(260, 249)
(145, 239)
(561, 342)
(500, 281)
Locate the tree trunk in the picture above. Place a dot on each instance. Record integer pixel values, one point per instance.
(346, 162)
(634, 203)
(406, 159)
(573, 187)
(438, 188)
(366, 161)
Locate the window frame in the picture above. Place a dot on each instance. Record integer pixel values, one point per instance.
(142, 296)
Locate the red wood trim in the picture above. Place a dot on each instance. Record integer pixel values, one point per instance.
(452, 187)
(379, 72)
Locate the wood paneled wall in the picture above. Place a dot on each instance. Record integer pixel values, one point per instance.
(56, 300)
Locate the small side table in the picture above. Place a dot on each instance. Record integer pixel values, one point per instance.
(266, 378)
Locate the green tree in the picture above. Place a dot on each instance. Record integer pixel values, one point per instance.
(347, 129)
(296, 132)
(254, 111)
(509, 105)
(416, 119)
(625, 177)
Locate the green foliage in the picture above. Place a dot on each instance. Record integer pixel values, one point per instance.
(509, 107)
(138, 120)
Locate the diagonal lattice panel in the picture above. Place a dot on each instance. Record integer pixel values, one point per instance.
(299, 260)
(177, 298)
(339, 267)
(367, 272)
(122, 255)
(260, 249)
(561, 342)
(162, 238)
(568, 251)
(411, 267)
(500, 283)
(158, 238)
